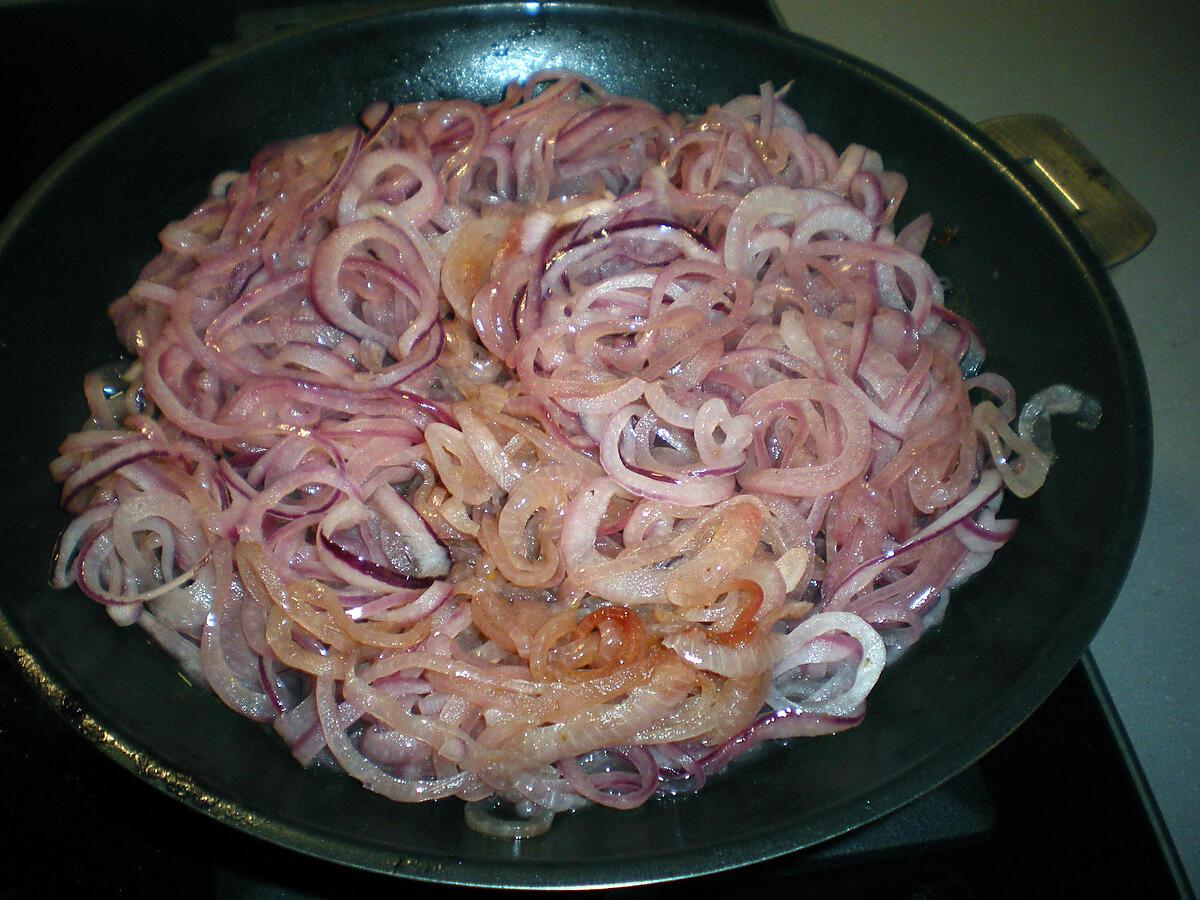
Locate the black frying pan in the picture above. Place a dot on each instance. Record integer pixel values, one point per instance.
(1020, 272)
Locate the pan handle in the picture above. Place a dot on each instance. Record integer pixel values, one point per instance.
(1113, 223)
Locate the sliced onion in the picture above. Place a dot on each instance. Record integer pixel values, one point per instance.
(545, 453)
(874, 657)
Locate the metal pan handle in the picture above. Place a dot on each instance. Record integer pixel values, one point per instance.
(1113, 223)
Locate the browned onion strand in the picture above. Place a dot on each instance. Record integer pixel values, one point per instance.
(547, 453)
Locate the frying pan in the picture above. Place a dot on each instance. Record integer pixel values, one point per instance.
(1018, 268)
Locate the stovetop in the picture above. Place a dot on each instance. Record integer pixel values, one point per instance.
(1058, 808)
(1054, 810)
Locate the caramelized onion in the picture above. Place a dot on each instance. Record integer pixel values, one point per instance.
(544, 453)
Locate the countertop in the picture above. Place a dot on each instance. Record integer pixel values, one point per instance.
(1122, 76)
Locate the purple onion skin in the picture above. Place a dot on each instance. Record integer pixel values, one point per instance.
(372, 569)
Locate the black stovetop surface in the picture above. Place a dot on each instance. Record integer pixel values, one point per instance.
(1057, 809)
(1053, 811)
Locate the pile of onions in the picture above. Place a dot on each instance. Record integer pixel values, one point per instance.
(552, 452)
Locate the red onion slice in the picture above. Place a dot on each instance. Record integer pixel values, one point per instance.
(545, 453)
